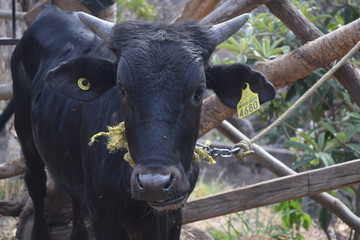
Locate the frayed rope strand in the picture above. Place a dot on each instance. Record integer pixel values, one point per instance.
(115, 140)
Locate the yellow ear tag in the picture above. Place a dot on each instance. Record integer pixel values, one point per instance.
(83, 84)
(248, 103)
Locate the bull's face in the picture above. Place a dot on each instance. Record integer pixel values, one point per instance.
(162, 81)
(161, 77)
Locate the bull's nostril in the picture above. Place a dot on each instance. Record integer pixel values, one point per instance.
(138, 181)
(169, 185)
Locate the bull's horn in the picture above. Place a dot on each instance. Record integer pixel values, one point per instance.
(100, 27)
(224, 30)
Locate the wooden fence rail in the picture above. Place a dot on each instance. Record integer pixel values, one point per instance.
(8, 14)
(5, 92)
(274, 191)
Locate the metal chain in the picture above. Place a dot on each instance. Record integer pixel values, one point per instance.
(223, 152)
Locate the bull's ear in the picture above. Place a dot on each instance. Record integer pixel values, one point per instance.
(227, 81)
(82, 78)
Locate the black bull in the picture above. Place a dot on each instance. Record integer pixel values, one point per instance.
(152, 76)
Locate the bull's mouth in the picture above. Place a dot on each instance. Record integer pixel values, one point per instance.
(171, 204)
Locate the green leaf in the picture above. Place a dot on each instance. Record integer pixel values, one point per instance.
(232, 40)
(258, 55)
(243, 45)
(339, 19)
(321, 141)
(256, 44)
(298, 145)
(310, 140)
(276, 51)
(241, 59)
(333, 143)
(307, 159)
(350, 132)
(341, 137)
(350, 190)
(355, 115)
(324, 219)
(277, 43)
(228, 47)
(354, 146)
(306, 220)
(325, 158)
(248, 30)
(266, 47)
(328, 127)
(316, 114)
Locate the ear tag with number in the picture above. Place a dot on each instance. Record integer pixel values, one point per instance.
(248, 103)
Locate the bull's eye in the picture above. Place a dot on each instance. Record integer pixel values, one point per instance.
(83, 84)
(199, 94)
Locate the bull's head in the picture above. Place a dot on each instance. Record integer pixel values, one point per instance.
(161, 77)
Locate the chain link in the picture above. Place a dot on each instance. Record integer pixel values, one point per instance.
(223, 152)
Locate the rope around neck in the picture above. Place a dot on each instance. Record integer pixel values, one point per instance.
(116, 140)
(245, 145)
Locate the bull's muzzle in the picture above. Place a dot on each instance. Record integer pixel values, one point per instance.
(163, 188)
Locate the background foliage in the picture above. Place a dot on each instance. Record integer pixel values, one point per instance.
(139, 9)
(328, 131)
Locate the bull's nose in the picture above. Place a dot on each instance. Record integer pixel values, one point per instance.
(154, 182)
(157, 184)
(152, 186)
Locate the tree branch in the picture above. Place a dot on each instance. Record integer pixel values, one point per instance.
(307, 31)
(230, 9)
(297, 64)
(12, 168)
(196, 10)
(213, 112)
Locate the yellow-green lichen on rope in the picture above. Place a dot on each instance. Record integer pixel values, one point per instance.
(116, 140)
(202, 154)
